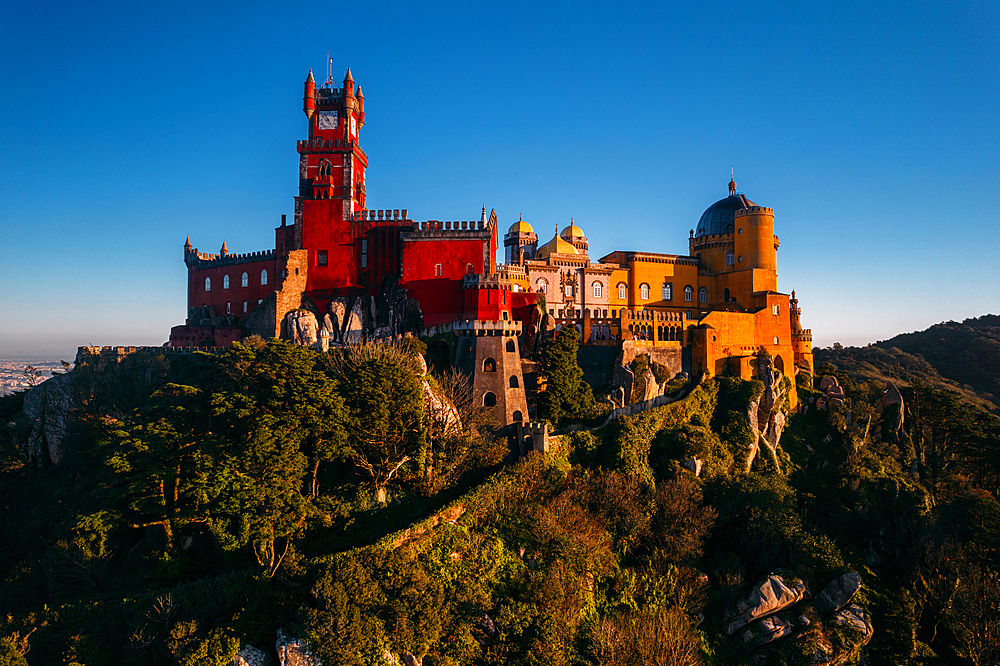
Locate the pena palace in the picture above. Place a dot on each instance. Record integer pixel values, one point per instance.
(342, 271)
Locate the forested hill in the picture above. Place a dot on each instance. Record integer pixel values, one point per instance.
(191, 507)
(962, 357)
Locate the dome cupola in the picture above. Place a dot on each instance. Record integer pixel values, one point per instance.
(718, 218)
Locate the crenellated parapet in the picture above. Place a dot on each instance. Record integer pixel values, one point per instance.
(387, 215)
(478, 327)
(192, 257)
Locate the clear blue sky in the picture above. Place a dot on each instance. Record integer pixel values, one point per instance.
(871, 129)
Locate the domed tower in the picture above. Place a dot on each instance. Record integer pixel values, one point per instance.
(574, 236)
(735, 240)
(519, 237)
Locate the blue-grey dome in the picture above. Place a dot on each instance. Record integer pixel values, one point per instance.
(719, 216)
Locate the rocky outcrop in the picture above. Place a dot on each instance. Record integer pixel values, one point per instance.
(768, 598)
(848, 649)
(251, 656)
(766, 415)
(302, 327)
(890, 409)
(838, 593)
(294, 652)
(441, 411)
(767, 630)
(49, 410)
(833, 395)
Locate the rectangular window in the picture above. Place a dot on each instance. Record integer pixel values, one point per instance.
(668, 291)
(244, 307)
(229, 307)
(321, 258)
(438, 270)
(605, 315)
(364, 261)
(774, 310)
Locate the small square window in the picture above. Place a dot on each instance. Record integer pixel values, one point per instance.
(321, 258)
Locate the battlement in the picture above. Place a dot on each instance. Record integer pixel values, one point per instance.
(214, 260)
(754, 210)
(486, 282)
(398, 215)
(316, 144)
(438, 225)
(83, 354)
(477, 327)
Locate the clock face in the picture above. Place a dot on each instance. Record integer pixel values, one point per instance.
(327, 120)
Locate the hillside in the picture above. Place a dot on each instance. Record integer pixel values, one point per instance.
(204, 504)
(960, 357)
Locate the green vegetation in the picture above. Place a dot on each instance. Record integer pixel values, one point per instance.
(209, 500)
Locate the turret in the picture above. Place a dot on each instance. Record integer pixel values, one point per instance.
(361, 108)
(309, 100)
(349, 100)
(224, 251)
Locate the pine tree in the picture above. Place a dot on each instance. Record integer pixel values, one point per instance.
(566, 395)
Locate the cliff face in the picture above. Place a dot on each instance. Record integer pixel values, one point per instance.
(49, 410)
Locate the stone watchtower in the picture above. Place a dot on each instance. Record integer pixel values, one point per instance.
(801, 338)
(520, 238)
(488, 350)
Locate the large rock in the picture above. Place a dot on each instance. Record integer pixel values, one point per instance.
(294, 652)
(251, 656)
(767, 420)
(302, 327)
(838, 593)
(767, 598)
(767, 630)
(49, 411)
(441, 411)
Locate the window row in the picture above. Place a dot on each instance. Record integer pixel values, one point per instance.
(245, 281)
(667, 293)
(229, 306)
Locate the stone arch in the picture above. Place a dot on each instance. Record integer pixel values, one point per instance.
(779, 364)
(513, 381)
(489, 365)
(510, 346)
(517, 416)
(489, 399)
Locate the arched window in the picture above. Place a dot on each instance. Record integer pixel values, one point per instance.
(510, 346)
(225, 282)
(208, 284)
(490, 399)
(689, 293)
(730, 258)
(644, 291)
(597, 290)
(513, 381)
(703, 295)
(246, 280)
(622, 291)
(725, 295)
(263, 278)
(468, 269)
(668, 291)
(517, 416)
(729, 230)
(542, 286)
(489, 365)
(325, 168)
